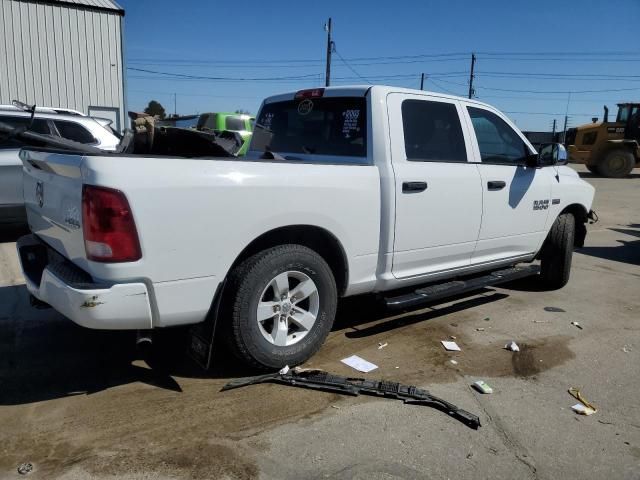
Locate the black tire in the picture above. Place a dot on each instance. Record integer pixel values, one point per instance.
(557, 251)
(593, 169)
(617, 164)
(246, 285)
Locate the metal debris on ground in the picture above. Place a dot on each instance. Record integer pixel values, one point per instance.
(480, 329)
(450, 346)
(576, 324)
(626, 349)
(482, 386)
(487, 319)
(453, 362)
(513, 346)
(584, 407)
(321, 380)
(554, 309)
(25, 468)
(382, 345)
(453, 337)
(541, 321)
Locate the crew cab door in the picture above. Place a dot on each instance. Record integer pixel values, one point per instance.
(437, 190)
(515, 197)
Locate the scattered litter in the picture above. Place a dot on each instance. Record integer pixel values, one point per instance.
(541, 321)
(359, 363)
(397, 367)
(25, 468)
(321, 380)
(470, 455)
(284, 370)
(576, 324)
(480, 329)
(453, 337)
(554, 309)
(626, 349)
(335, 406)
(513, 346)
(450, 346)
(382, 345)
(584, 407)
(453, 362)
(453, 324)
(482, 386)
(487, 319)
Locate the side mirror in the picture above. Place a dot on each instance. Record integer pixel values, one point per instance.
(552, 154)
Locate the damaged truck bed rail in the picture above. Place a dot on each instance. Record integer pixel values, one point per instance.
(321, 380)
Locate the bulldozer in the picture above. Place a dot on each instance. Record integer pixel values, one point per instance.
(608, 149)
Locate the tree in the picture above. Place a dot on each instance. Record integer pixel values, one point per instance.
(155, 108)
(242, 112)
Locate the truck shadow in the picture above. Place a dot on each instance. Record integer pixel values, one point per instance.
(44, 356)
(592, 175)
(627, 251)
(11, 233)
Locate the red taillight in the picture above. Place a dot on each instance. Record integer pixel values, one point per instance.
(107, 223)
(312, 93)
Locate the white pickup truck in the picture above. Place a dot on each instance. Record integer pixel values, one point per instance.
(344, 190)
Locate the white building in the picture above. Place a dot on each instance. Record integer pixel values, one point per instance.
(64, 53)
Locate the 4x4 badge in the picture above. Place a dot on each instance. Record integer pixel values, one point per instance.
(40, 193)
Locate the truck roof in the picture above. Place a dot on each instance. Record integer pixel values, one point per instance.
(361, 90)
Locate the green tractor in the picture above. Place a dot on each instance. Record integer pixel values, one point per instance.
(233, 122)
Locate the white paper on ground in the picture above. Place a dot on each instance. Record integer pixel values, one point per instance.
(451, 346)
(359, 363)
(582, 409)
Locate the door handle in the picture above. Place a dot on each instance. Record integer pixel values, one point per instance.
(413, 187)
(496, 185)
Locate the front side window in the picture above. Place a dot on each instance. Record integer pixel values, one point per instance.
(334, 126)
(497, 141)
(432, 132)
(74, 131)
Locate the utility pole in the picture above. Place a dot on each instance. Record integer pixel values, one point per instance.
(175, 103)
(422, 82)
(553, 134)
(327, 27)
(564, 129)
(473, 64)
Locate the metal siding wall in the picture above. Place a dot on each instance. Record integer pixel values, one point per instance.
(60, 56)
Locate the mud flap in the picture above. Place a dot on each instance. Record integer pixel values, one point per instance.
(202, 335)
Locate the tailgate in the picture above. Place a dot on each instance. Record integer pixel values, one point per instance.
(53, 199)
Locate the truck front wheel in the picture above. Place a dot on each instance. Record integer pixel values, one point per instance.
(617, 164)
(557, 251)
(282, 304)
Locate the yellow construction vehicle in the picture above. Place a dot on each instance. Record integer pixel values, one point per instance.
(610, 149)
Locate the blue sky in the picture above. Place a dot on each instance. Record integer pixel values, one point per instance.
(530, 54)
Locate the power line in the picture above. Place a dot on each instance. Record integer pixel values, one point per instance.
(202, 77)
(350, 67)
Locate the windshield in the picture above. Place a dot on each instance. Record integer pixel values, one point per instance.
(334, 126)
(623, 114)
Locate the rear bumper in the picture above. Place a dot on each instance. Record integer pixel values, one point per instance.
(71, 291)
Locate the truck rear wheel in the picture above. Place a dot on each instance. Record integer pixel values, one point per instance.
(557, 251)
(617, 164)
(593, 169)
(282, 306)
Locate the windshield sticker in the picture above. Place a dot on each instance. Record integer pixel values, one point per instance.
(350, 122)
(267, 120)
(305, 107)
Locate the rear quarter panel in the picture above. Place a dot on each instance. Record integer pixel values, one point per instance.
(10, 178)
(195, 216)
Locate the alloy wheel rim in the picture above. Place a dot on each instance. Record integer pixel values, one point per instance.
(288, 308)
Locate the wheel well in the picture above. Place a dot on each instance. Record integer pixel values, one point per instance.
(316, 238)
(580, 214)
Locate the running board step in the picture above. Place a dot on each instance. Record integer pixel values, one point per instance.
(456, 287)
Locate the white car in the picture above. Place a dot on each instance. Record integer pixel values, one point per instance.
(62, 123)
(344, 190)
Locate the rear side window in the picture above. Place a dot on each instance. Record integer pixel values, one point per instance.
(74, 131)
(39, 126)
(432, 132)
(334, 126)
(235, 124)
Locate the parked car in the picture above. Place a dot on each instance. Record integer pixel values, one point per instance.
(62, 123)
(234, 122)
(344, 191)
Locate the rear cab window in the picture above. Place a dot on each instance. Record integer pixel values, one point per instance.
(74, 131)
(320, 130)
